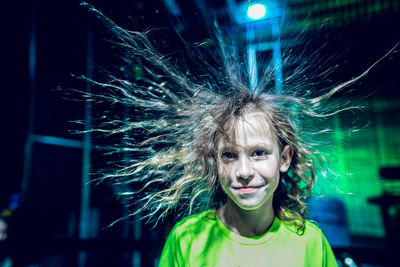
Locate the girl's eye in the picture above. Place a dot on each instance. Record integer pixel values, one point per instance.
(259, 153)
(228, 156)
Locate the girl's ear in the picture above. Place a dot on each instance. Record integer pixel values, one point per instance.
(286, 158)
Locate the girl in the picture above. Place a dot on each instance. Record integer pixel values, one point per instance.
(259, 164)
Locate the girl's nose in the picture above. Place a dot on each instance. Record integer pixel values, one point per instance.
(245, 168)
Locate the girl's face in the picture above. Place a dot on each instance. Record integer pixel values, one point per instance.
(249, 167)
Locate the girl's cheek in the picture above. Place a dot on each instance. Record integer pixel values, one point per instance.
(224, 171)
(224, 182)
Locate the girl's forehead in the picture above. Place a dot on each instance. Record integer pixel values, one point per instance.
(254, 123)
(249, 129)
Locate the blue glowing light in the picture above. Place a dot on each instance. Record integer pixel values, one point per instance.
(257, 11)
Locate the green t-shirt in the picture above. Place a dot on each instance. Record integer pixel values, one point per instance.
(203, 240)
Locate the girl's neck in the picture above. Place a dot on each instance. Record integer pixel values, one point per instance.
(249, 223)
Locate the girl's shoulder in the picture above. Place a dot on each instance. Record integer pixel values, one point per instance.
(310, 228)
(197, 221)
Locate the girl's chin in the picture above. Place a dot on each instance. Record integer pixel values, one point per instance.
(249, 205)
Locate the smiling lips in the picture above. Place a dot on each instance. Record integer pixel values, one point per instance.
(247, 189)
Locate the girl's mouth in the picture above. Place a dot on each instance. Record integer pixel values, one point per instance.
(248, 189)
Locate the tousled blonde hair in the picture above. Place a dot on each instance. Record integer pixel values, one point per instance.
(170, 137)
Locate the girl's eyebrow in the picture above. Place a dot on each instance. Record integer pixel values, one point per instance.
(269, 147)
(263, 146)
(228, 147)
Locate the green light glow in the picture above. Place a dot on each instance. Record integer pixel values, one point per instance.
(336, 12)
(357, 160)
